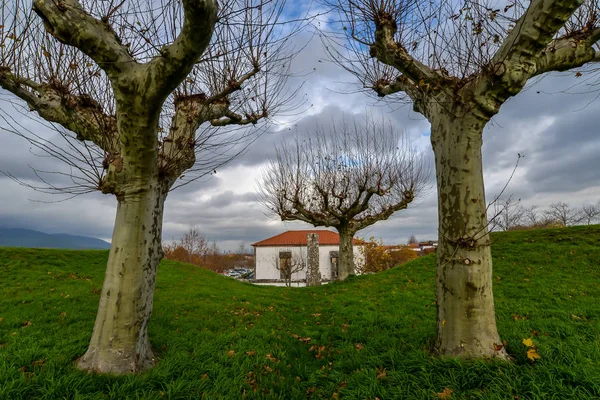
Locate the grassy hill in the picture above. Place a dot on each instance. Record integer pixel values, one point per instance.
(366, 338)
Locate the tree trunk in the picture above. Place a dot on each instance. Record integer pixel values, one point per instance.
(120, 342)
(346, 253)
(466, 323)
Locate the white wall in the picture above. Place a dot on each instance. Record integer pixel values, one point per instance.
(267, 269)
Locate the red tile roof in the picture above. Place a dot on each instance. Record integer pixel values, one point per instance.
(298, 238)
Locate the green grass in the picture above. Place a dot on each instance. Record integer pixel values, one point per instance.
(369, 336)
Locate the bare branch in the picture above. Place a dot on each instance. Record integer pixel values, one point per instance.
(68, 22)
(177, 59)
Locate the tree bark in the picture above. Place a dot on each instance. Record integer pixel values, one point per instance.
(120, 341)
(466, 323)
(346, 253)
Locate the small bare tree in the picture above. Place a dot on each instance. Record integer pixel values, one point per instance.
(412, 239)
(128, 85)
(531, 215)
(195, 245)
(590, 213)
(288, 263)
(506, 214)
(563, 213)
(348, 179)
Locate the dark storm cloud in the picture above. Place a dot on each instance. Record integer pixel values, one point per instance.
(554, 129)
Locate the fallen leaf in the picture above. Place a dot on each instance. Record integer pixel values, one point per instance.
(251, 353)
(381, 372)
(528, 342)
(231, 353)
(498, 347)
(1, 319)
(359, 346)
(204, 376)
(304, 339)
(316, 315)
(271, 358)
(39, 362)
(26, 324)
(445, 394)
(532, 354)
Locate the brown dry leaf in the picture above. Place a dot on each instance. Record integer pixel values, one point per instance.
(204, 376)
(251, 353)
(304, 339)
(381, 372)
(316, 315)
(528, 342)
(26, 324)
(445, 394)
(267, 368)
(295, 336)
(271, 358)
(1, 319)
(498, 347)
(39, 362)
(231, 353)
(532, 354)
(359, 346)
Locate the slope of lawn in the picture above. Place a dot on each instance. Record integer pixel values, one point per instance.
(366, 338)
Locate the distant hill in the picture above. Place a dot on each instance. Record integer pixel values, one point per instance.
(10, 237)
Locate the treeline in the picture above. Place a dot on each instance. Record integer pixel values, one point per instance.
(194, 248)
(510, 214)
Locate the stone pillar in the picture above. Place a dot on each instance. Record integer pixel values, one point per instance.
(313, 274)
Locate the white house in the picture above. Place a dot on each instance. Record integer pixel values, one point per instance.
(292, 245)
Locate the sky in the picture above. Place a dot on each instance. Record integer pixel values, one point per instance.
(553, 124)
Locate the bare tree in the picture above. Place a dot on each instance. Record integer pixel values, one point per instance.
(589, 213)
(458, 62)
(531, 215)
(563, 213)
(195, 244)
(288, 263)
(412, 239)
(347, 179)
(506, 214)
(127, 85)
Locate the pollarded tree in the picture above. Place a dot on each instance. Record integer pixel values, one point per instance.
(128, 84)
(348, 179)
(457, 62)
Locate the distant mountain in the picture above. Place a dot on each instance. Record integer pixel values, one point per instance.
(10, 237)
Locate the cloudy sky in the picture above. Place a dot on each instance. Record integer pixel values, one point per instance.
(552, 123)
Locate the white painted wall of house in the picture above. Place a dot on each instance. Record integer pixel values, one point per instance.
(266, 256)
